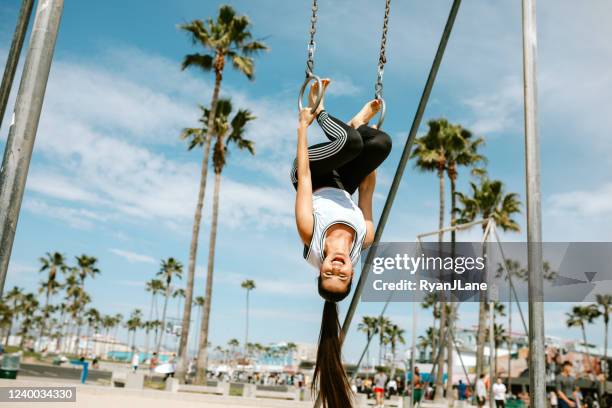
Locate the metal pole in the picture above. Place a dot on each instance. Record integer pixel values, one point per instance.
(537, 379)
(413, 352)
(14, 53)
(22, 133)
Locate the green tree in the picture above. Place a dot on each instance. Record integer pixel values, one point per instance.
(50, 263)
(133, 324)
(580, 316)
(382, 323)
(248, 285)
(369, 326)
(12, 299)
(87, 267)
(170, 269)
(395, 335)
(228, 37)
(487, 201)
(428, 341)
(604, 305)
(442, 150)
(155, 287)
(227, 132)
(198, 302)
(28, 305)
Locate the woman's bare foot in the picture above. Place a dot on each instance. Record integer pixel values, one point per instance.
(366, 113)
(314, 93)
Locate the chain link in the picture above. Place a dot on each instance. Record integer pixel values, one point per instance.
(311, 44)
(382, 59)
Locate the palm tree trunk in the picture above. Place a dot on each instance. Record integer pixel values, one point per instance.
(195, 233)
(163, 325)
(482, 321)
(440, 363)
(42, 324)
(606, 323)
(8, 333)
(452, 317)
(202, 353)
(246, 333)
(443, 321)
(588, 353)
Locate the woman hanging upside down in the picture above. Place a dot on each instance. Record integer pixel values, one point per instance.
(332, 227)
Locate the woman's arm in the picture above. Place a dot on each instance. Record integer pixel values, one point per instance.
(366, 192)
(304, 218)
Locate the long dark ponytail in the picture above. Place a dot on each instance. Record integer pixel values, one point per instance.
(330, 379)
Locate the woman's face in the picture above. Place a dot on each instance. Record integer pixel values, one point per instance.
(336, 272)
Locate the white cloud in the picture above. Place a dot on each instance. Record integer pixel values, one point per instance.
(75, 217)
(133, 257)
(271, 286)
(342, 85)
(98, 136)
(594, 203)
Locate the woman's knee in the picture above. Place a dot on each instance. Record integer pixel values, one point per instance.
(382, 143)
(354, 142)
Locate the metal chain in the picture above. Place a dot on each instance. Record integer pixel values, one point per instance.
(311, 43)
(382, 60)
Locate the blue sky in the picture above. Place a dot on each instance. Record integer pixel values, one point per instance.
(110, 177)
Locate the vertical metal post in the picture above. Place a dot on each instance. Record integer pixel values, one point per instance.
(13, 56)
(22, 133)
(413, 352)
(537, 379)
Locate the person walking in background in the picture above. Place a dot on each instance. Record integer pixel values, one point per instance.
(565, 387)
(481, 391)
(418, 386)
(135, 361)
(552, 398)
(380, 380)
(461, 389)
(499, 393)
(578, 397)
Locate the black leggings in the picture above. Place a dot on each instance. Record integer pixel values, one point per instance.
(349, 156)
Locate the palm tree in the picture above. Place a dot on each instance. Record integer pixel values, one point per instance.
(227, 38)
(86, 267)
(226, 132)
(6, 315)
(155, 286)
(442, 149)
(12, 297)
(488, 201)
(369, 326)
(134, 323)
(170, 268)
(27, 307)
(395, 335)
(198, 302)
(604, 304)
(382, 323)
(93, 318)
(51, 263)
(428, 341)
(178, 294)
(500, 336)
(579, 317)
(233, 345)
(249, 285)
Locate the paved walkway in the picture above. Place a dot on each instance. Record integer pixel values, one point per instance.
(93, 396)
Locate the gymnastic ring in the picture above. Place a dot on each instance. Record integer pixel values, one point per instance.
(303, 89)
(383, 112)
